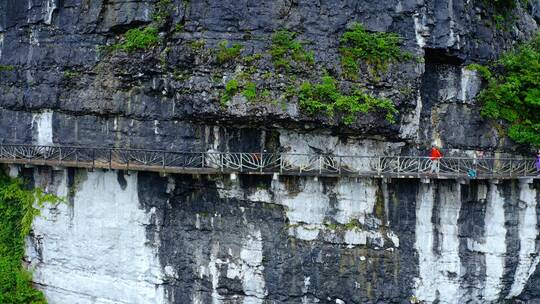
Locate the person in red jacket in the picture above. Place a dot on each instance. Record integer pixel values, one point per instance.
(434, 155)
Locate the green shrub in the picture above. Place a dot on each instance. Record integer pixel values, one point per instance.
(252, 58)
(198, 44)
(503, 12)
(71, 74)
(376, 49)
(512, 93)
(286, 50)
(178, 28)
(502, 5)
(17, 212)
(6, 68)
(225, 53)
(250, 91)
(138, 39)
(162, 11)
(327, 98)
(231, 88)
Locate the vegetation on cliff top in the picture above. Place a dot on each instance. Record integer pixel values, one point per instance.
(17, 211)
(226, 53)
(6, 68)
(376, 49)
(512, 94)
(325, 97)
(138, 39)
(287, 51)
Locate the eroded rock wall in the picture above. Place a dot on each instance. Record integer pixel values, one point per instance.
(146, 98)
(141, 238)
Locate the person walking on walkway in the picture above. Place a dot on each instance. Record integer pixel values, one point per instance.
(473, 172)
(435, 155)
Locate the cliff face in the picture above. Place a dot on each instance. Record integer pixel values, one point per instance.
(140, 238)
(165, 95)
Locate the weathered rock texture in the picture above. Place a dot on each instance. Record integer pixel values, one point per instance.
(140, 238)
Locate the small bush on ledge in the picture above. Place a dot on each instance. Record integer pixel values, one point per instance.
(6, 68)
(286, 50)
(225, 53)
(137, 39)
(231, 88)
(376, 49)
(327, 98)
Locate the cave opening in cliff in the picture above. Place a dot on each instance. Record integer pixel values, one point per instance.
(440, 56)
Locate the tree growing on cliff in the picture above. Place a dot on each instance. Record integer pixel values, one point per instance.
(17, 211)
(512, 93)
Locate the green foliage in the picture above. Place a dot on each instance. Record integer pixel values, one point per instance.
(353, 224)
(286, 50)
(376, 49)
(231, 88)
(179, 27)
(6, 68)
(17, 211)
(162, 11)
(198, 44)
(226, 54)
(502, 5)
(512, 93)
(138, 39)
(327, 98)
(503, 12)
(252, 58)
(481, 69)
(250, 91)
(71, 74)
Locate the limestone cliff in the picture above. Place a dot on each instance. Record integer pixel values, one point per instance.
(141, 238)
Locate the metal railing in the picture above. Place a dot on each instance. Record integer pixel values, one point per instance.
(267, 163)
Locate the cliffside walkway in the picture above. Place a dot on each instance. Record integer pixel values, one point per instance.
(267, 163)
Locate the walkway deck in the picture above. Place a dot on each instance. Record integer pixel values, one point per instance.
(267, 163)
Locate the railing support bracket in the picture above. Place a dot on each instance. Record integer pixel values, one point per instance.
(425, 180)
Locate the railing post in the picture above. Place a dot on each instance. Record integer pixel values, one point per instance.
(339, 165)
(379, 165)
(59, 156)
(261, 162)
(241, 164)
(203, 160)
(398, 165)
(221, 161)
(511, 167)
(163, 155)
(320, 164)
(281, 163)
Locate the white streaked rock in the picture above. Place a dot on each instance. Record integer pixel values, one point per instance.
(42, 123)
(495, 247)
(95, 250)
(528, 257)
(439, 274)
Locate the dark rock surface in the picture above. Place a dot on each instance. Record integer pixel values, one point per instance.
(55, 50)
(294, 240)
